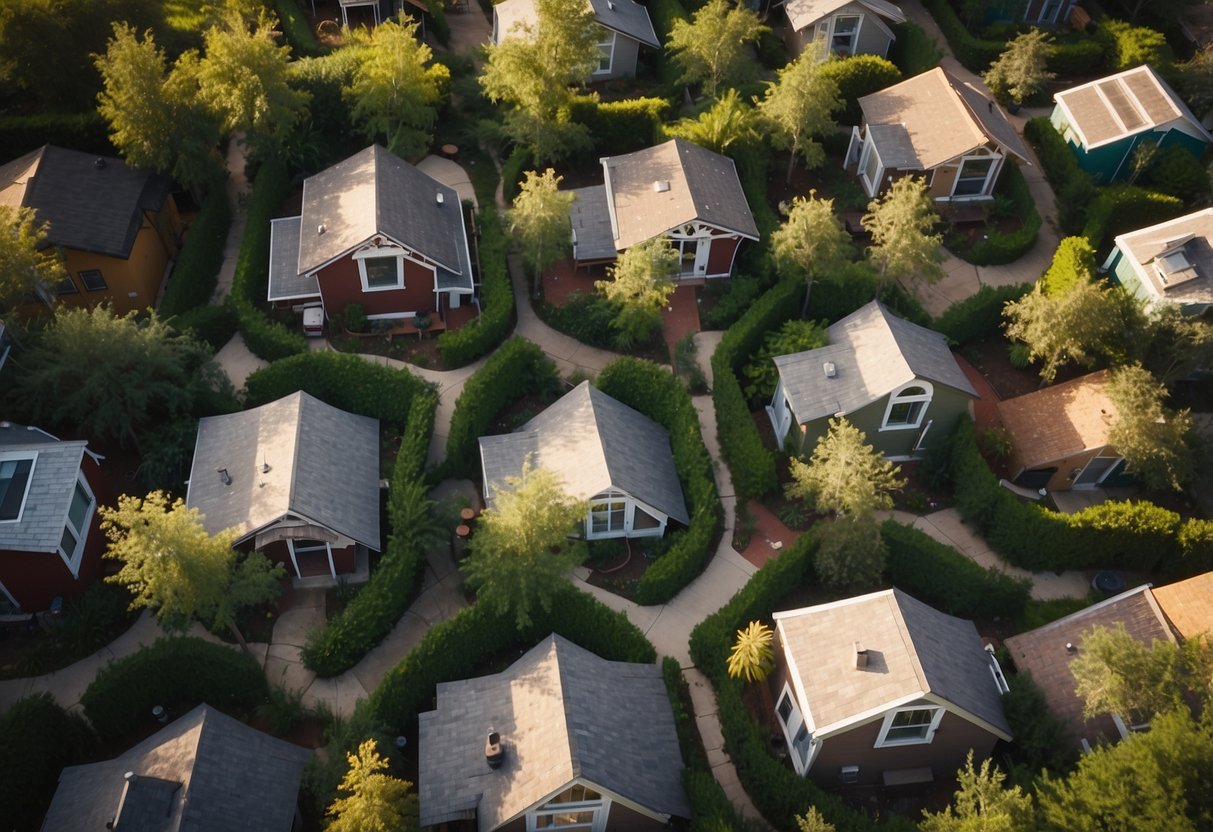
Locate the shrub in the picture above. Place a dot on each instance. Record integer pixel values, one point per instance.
(1072, 186)
(914, 51)
(659, 394)
(213, 324)
(1126, 46)
(978, 316)
(586, 316)
(342, 380)
(297, 29)
(176, 673)
(620, 126)
(999, 248)
(1178, 173)
(976, 54)
(438, 24)
(86, 131)
(1041, 739)
(479, 337)
(857, 76)
(39, 738)
(733, 298)
(753, 162)
(1081, 57)
(1073, 264)
(1121, 208)
(196, 273)
(519, 161)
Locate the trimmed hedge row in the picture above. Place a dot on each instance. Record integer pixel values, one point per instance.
(1121, 208)
(342, 380)
(197, 270)
(857, 76)
(517, 369)
(172, 672)
(999, 248)
(345, 639)
(620, 126)
(947, 580)
(979, 316)
(86, 131)
(453, 648)
(39, 738)
(660, 395)
(213, 324)
(479, 337)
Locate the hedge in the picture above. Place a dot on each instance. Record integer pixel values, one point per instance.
(39, 738)
(347, 638)
(857, 76)
(517, 369)
(454, 648)
(175, 673)
(947, 580)
(342, 380)
(979, 316)
(512, 171)
(620, 126)
(999, 248)
(914, 51)
(1121, 208)
(660, 395)
(213, 324)
(479, 337)
(297, 29)
(86, 131)
(1073, 187)
(196, 273)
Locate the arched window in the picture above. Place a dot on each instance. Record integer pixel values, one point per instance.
(907, 406)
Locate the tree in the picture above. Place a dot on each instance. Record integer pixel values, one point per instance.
(983, 804)
(1073, 264)
(814, 821)
(851, 553)
(1154, 440)
(112, 377)
(845, 475)
(396, 88)
(26, 261)
(711, 48)
(751, 658)
(728, 124)
(522, 553)
(171, 564)
(540, 221)
(641, 283)
(900, 224)
(811, 241)
(1195, 80)
(1177, 344)
(374, 801)
(799, 107)
(793, 337)
(1021, 71)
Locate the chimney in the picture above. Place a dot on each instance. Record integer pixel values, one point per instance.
(861, 656)
(494, 751)
(831, 371)
(438, 198)
(661, 186)
(224, 476)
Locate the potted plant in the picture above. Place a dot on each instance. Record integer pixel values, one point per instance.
(421, 321)
(1021, 72)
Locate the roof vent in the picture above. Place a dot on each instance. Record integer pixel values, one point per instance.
(831, 371)
(99, 163)
(224, 476)
(494, 751)
(1070, 648)
(438, 198)
(661, 186)
(610, 5)
(320, 229)
(265, 465)
(861, 656)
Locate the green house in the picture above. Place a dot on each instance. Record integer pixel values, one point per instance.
(1105, 121)
(896, 381)
(1171, 262)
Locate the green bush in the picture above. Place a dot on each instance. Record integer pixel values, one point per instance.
(975, 53)
(999, 248)
(1126, 46)
(86, 131)
(342, 380)
(1121, 208)
(1072, 186)
(176, 673)
(587, 316)
(1178, 173)
(324, 79)
(39, 738)
(753, 162)
(196, 273)
(658, 394)
(914, 51)
(979, 316)
(857, 76)
(733, 298)
(479, 337)
(297, 29)
(663, 14)
(518, 163)
(1081, 57)
(620, 126)
(213, 324)
(516, 370)
(1042, 741)
(438, 24)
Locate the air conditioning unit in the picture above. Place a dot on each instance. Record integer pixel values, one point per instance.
(848, 775)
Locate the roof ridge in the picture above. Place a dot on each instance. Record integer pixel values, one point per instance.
(290, 491)
(896, 598)
(562, 683)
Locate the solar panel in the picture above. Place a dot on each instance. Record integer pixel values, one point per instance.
(1122, 105)
(1158, 106)
(1091, 114)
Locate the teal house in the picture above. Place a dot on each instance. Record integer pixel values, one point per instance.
(1171, 262)
(896, 381)
(1105, 121)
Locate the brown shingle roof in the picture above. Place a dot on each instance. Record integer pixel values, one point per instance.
(1188, 605)
(1060, 421)
(1124, 104)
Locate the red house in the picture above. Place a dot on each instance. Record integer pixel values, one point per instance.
(50, 536)
(678, 190)
(374, 231)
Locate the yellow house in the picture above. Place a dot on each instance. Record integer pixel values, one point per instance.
(117, 227)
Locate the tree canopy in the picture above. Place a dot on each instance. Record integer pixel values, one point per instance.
(729, 124)
(798, 109)
(810, 242)
(1021, 71)
(641, 283)
(26, 262)
(901, 224)
(752, 658)
(983, 804)
(1155, 440)
(712, 48)
(540, 221)
(372, 800)
(851, 553)
(845, 475)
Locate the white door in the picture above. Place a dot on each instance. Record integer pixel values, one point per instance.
(701, 256)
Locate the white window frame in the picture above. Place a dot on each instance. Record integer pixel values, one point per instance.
(869, 149)
(72, 559)
(896, 398)
(606, 48)
(882, 741)
(792, 727)
(328, 550)
(376, 253)
(831, 49)
(17, 456)
(987, 184)
(599, 809)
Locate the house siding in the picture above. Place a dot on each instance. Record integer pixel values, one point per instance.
(872, 39)
(942, 180)
(1110, 162)
(623, 61)
(720, 258)
(340, 286)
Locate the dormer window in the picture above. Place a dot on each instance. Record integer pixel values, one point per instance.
(381, 267)
(15, 475)
(1174, 267)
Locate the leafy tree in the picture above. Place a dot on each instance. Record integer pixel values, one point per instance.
(39, 738)
(1154, 440)
(26, 261)
(751, 657)
(798, 109)
(170, 563)
(711, 47)
(375, 801)
(901, 223)
(522, 553)
(641, 283)
(814, 821)
(845, 475)
(1195, 80)
(1128, 46)
(793, 337)
(851, 553)
(540, 221)
(1041, 739)
(1177, 344)
(811, 241)
(1073, 264)
(1021, 71)
(728, 124)
(983, 804)
(397, 87)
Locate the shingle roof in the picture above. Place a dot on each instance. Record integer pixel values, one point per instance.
(1059, 421)
(624, 16)
(564, 714)
(1195, 233)
(874, 352)
(1188, 605)
(92, 203)
(699, 185)
(51, 485)
(593, 443)
(802, 13)
(913, 650)
(285, 280)
(1125, 104)
(203, 772)
(591, 222)
(323, 467)
(941, 118)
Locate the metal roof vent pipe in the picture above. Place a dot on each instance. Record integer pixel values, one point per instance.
(830, 369)
(224, 476)
(494, 751)
(861, 657)
(438, 198)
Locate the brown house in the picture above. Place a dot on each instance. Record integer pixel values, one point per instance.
(117, 227)
(883, 689)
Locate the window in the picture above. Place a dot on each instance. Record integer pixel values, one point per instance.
(381, 268)
(606, 48)
(608, 515)
(66, 286)
(14, 483)
(907, 406)
(871, 168)
(846, 28)
(909, 726)
(801, 744)
(75, 530)
(795, 731)
(92, 280)
(972, 178)
(577, 807)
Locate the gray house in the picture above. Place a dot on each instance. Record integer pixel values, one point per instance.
(203, 772)
(624, 27)
(297, 478)
(583, 743)
(842, 27)
(896, 381)
(603, 451)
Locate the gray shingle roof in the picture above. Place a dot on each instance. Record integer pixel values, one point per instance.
(285, 280)
(93, 203)
(874, 352)
(563, 714)
(324, 467)
(593, 443)
(802, 13)
(51, 485)
(591, 222)
(624, 16)
(203, 772)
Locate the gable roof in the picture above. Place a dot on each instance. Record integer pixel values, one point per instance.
(590, 219)
(1188, 605)
(204, 771)
(92, 203)
(914, 651)
(803, 13)
(873, 352)
(624, 16)
(1110, 109)
(52, 482)
(698, 185)
(593, 443)
(1057, 422)
(1193, 234)
(564, 715)
(323, 467)
(286, 282)
(940, 118)
(1043, 653)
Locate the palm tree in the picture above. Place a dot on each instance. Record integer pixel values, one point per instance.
(752, 658)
